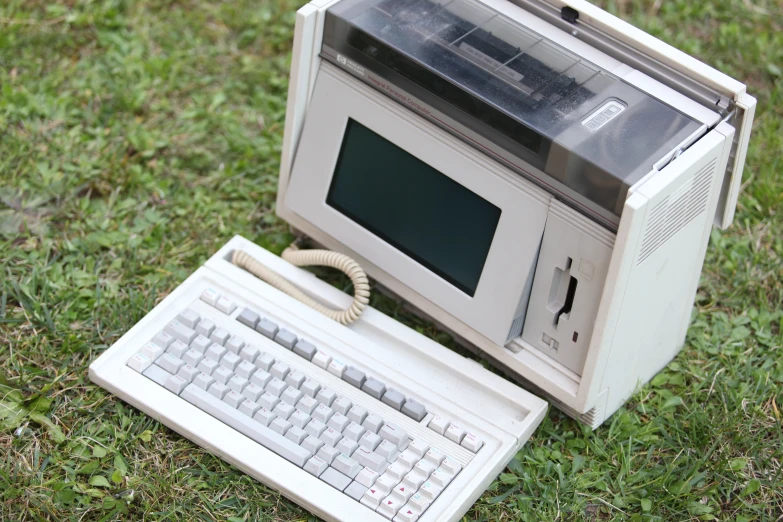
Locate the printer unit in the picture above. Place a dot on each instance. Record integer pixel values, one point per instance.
(536, 176)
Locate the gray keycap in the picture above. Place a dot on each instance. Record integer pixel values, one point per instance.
(178, 348)
(205, 327)
(374, 387)
(335, 479)
(316, 466)
(356, 491)
(312, 443)
(295, 379)
(201, 343)
(414, 410)
(296, 434)
(181, 332)
(354, 377)
(189, 318)
(220, 336)
(346, 465)
(394, 399)
(267, 328)
(285, 338)
(305, 349)
(235, 344)
(276, 387)
(327, 453)
(163, 339)
(250, 428)
(331, 437)
(176, 384)
(170, 363)
(373, 423)
(248, 317)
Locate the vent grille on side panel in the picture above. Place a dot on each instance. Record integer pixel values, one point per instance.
(677, 210)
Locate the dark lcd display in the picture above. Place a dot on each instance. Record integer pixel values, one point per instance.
(413, 207)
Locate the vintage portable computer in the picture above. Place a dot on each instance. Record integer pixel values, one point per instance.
(536, 176)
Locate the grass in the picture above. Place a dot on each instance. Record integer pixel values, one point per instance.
(136, 137)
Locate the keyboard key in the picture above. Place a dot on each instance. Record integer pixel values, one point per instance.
(316, 466)
(178, 348)
(407, 514)
(215, 352)
(369, 440)
(357, 414)
(429, 490)
(347, 446)
(295, 379)
(203, 381)
(151, 351)
(455, 432)
(299, 419)
(312, 443)
(220, 336)
(248, 427)
(265, 361)
(222, 374)
(335, 479)
(233, 398)
(176, 384)
(414, 480)
(139, 362)
(205, 327)
(218, 389)
(326, 396)
(181, 332)
(373, 423)
(265, 416)
(367, 477)
(225, 305)
(397, 469)
(291, 396)
(267, 328)
(451, 465)
(389, 507)
(235, 344)
(284, 410)
(438, 424)
(201, 343)
(370, 459)
(323, 413)
(331, 437)
(280, 370)
(193, 357)
(328, 453)
(163, 339)
(394, 399)
(249, 318)
(208, 366)
(315, 428)
(403, 492)
(188, 373)
(387, 450)
(472, 442)
(372, 498)
(414, 410)
(170, 363)
(253, 392)
(374, 388)
(285, 338)
(249, 353)
(408, 459)
(395, 435)
(310, 387)
(305, 349)
(249, 408)
(419, 502)
(346, 465)
(386, 483)
(342, 405)
(296, 434)
(276, 387)
(245, 369)
(230, 361)
(441, 477)
(435, 456)
(354, 377)
(307, 404)
(424, 467)
(322, 359)
(355, 490)
(237, 383)
(337, 367)
(338, 421)
(261, 378)
(280, 426)
(210, 296)
(418, 447)
(353, 431)
(189, 318)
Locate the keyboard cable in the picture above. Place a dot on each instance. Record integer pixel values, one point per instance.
(315, 257)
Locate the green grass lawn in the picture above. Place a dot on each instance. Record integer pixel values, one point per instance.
(136, 137)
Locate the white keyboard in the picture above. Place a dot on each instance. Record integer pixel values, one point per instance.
(331, 424)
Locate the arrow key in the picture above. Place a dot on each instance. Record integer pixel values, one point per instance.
(403, 492)
(372, 498)
(408, 513)
(389, 506)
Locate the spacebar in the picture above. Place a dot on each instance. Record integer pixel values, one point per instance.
(245, 425)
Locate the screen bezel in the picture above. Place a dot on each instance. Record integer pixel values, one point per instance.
(510, 265)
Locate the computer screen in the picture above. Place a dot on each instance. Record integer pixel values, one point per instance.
(413, 207)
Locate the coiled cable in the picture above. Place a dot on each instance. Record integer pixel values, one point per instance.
(361, 285)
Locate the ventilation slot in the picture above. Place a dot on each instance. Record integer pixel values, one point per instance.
(677, 210)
